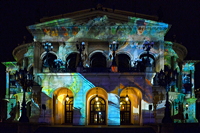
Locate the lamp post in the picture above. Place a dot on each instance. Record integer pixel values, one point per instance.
(147, 47)
(47, 47)
(80, 47)
(157, 99)
(114, 46)
(166, 79)
(25, 79)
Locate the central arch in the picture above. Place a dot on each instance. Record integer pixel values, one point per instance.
(98, 62)
(123, 62)
(97, 111)
(97, 108)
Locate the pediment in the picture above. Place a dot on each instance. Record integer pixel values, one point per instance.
(98, 25)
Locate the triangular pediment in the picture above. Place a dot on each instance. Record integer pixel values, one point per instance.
(98, 25)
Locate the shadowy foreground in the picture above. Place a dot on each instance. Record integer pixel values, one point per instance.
(46, 128)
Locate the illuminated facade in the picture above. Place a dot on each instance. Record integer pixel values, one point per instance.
(92, 82)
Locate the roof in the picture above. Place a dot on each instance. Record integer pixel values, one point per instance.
(100, 24)
(91, 12)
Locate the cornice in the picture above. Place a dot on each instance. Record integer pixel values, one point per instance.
(20, 50)
(180, 50)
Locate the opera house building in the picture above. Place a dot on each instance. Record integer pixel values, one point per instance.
(100, 67)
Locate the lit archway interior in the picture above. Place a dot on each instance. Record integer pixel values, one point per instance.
(130, 104)
(97, 108)
(63, 106)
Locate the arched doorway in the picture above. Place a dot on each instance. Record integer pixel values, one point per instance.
(69, 110)
(97, 111)
(63, 106)
(130, 106)
(125, 111)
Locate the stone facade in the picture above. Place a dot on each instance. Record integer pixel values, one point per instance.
(133, 78)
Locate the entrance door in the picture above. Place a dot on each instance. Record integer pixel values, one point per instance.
(125, 111)
(97, 111)
(69, 111)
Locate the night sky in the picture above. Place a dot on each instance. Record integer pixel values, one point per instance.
(15, 15)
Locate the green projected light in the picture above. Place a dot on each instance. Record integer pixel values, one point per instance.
(11, 66)
(65, 29)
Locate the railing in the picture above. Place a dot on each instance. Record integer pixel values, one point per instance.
(93, 70)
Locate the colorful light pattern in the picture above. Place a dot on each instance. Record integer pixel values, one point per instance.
(130, 35)
(62, 30)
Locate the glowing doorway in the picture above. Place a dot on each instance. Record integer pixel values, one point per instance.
(125, 111)
(69, 110)
(97, 111)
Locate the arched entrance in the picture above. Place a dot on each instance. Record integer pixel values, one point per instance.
(97, 106)
(97, 111)
(130, 106)
(63, 106)
(125, 111)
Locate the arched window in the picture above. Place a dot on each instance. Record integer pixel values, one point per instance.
(151, 58)
(123, 62)
(97, 111)
(48, 60)
(98, 62)
(125, 111)
(71, 62)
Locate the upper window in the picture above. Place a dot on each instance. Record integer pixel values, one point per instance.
(48, 60)
(123, 62)
(71, 62)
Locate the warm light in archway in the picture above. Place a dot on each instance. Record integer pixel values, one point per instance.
(61, 97)
(126, 98)
(67, 98)
(96, 98)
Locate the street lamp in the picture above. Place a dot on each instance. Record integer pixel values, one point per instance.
(114, 46)
(147, 47)
(80, 47)
(47, 47)
(25, 79)
(166, 79)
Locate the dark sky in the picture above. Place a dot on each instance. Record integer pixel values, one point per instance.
(15, 15)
